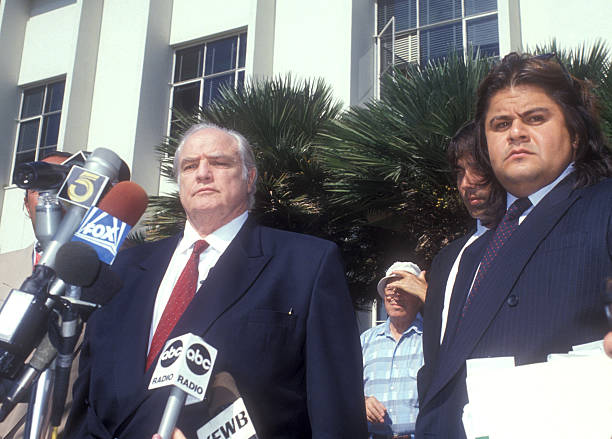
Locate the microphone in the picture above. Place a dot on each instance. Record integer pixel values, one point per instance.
(84, 267)
(227, 410)
(126, 201)
(82, 186)
(186, 364)
(105, 227)
(77, 264)
(82, 189)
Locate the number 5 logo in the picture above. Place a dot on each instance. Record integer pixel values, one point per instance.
(85, 180)
(82, 187)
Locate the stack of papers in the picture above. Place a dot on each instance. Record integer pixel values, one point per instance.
(569, 396)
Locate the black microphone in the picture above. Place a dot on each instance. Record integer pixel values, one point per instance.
(77, 264)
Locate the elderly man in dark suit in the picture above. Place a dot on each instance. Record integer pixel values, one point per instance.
(274, 304)
(535, 287)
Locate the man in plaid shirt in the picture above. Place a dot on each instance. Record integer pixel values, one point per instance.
(392, 355)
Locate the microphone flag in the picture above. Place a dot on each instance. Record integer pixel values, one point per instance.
(186, 362)
(103, 232)
(233, 422)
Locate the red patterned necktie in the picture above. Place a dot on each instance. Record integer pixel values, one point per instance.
(181, 296)
(505, 229)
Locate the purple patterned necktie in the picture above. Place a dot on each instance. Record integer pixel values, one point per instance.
(504, 230)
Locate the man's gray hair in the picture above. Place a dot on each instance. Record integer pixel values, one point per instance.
(247, 157)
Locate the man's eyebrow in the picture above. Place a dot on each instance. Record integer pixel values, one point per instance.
(521, 115)
(535, 110)
(497, 118)
(189, 160)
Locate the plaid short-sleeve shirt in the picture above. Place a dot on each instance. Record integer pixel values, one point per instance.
(390, 374)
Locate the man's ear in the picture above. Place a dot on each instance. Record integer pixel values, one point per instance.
(251, 180)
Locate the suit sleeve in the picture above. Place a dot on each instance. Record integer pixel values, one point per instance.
(83, 422)
(334, 371)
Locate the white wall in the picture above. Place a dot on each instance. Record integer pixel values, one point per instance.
(131, 84)
(362, 51)
(570, 22)
(13, 17)
(194, 20)
(49, 44)
(38, 42)
(313, 40)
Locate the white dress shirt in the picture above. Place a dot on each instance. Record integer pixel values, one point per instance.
(452, 276)
(537, 196)
(218, 241)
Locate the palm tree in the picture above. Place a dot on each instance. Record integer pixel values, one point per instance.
(388, 163)
(281, 118)
(373, 179)
(388, 159)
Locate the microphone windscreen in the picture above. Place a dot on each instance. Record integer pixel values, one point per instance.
(126, 201)
(222, 392)
(77, 264)
(107, 284)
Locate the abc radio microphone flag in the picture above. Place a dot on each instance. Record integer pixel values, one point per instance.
(186, 363)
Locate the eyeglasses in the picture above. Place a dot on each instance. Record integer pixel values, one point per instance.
(551, 55)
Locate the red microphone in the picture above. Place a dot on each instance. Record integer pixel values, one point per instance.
(126, 201)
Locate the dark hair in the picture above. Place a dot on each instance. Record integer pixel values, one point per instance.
(463, 145)
(593, 160)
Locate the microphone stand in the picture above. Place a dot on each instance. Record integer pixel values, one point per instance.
(48, 219)
(37, 418)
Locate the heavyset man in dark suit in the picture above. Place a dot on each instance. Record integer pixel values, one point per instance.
(275, 304)
(542, 288)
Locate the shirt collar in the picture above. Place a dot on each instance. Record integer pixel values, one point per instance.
(416, 327)
(480, 229)
(219, 240)
(537, 196)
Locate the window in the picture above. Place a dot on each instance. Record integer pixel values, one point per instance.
(39, 120)
(424, 30)
(200, 72)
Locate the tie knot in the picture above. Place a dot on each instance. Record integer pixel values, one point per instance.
(519, 206)
(199, 247)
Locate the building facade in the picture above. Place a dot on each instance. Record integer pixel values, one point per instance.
(81, 74)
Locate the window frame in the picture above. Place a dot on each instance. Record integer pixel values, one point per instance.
(416, 32)
(19, 120)
(242, 36)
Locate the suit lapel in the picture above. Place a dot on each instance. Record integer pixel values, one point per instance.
(135, 314)
(230, 278)
(435, 294)
(465, 275)
(434, 304)
(500, 279)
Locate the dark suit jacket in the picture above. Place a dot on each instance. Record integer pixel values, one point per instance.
(277, 308)
(542, 294)
(432, 309)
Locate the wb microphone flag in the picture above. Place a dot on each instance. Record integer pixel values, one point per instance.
(103, 232)
(233, 422)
